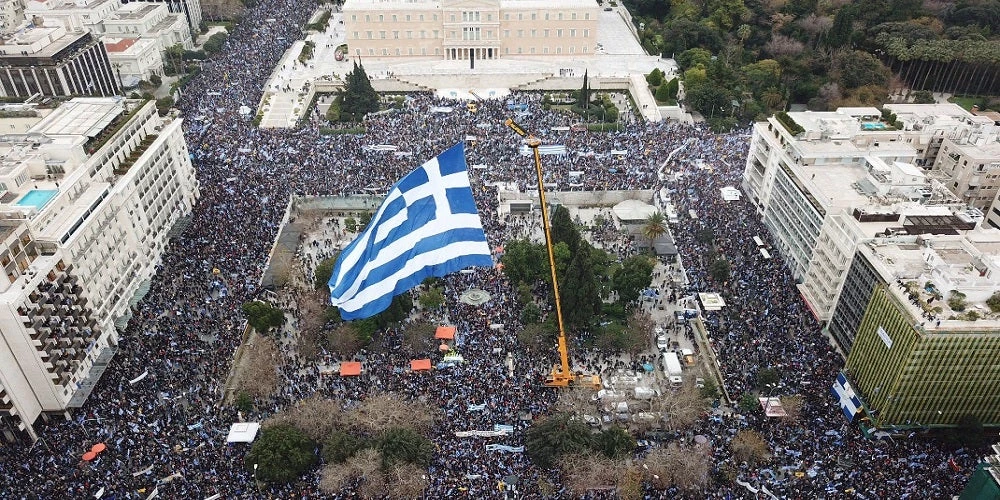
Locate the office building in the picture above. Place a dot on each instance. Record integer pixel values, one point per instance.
(89, 196)
(926, 345)
(464, 30)
(850, 176)
(51, 61)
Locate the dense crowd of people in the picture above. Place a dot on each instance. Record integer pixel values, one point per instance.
(167, 432)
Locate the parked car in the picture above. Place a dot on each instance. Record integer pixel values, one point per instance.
(662, 343)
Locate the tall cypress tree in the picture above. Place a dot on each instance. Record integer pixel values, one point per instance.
(358, 97)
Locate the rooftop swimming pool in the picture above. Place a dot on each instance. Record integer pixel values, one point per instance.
(873, 126)
(37, 198)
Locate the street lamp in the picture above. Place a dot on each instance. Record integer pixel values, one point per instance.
(255, 481)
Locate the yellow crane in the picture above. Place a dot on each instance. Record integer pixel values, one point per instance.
(562, 375)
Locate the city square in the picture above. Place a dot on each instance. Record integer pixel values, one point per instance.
(191, 385)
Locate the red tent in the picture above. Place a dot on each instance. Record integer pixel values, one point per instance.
(445, 332)
(99, 447)
(420, 365)
(89, 456)
(350, 369)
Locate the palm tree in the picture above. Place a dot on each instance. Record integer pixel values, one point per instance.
(654, 227)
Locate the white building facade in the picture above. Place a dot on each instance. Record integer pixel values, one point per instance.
(152, 21)
(470, 29)
(834, 185)
(85, 217)
(78, 15)
(134, 58)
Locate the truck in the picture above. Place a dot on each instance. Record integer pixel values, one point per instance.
(671, 364)
(688, 355)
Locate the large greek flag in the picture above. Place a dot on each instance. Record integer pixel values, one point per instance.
(427, 226)
(849, 401)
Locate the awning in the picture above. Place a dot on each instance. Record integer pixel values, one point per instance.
(350, 369)
(243, 432)
(418, 365)
(445, 332)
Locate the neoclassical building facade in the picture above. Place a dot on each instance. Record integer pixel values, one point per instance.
(470, 29)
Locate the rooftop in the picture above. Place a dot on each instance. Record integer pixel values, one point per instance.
(119, 44)
(86, 116)
(946, 279)
(135, 11)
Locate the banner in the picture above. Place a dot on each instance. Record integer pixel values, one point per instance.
(139, 378)
(463, 434)
(503, 428)
(477, 407)
(505, 448)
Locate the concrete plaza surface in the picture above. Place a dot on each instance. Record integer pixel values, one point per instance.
(618, 58)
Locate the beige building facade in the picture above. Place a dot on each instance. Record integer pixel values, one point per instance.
(470, 29)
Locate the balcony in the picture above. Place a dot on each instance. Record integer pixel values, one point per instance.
(141, 148)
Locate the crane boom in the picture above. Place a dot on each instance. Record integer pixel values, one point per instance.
(562, 375)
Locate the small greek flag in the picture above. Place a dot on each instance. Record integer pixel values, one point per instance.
(850, 403)
(427, 226)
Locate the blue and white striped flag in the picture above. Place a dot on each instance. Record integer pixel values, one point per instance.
(427, 226)
(850, 403)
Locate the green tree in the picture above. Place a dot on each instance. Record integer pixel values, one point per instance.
(663, 93)
(530, 313)
(766, 377)
(563, 229)
(994, 302)
(923, 97)
(719, 270)
(214, 43)
(164, 104)
(673, 86)
(155, 80)
(580, 293)
(282, 454)
(324, 270)
(654, 226)
(655, 77)
(358, 97)
(340, 446)
(615, 443)
(262, 316)
(552, 437)
(399, 445)
(351, 224)
(858, 69)
(696, 57)
(524, 262)
(433, 298)
(244, 402)
(635, 275)
(333, 112)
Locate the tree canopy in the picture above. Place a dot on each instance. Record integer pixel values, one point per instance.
(282, 453)
(358, 97)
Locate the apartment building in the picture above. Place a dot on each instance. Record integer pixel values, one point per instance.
(927, 340)
(470, 29)
(89, 196)
(151, 21)
(846, 178)
(52, 61)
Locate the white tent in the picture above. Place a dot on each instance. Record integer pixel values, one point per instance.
(243, 432)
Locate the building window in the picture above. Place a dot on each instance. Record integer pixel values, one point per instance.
(354, 17)
(545, 33)
(572, 33)
(560, 16)
(532, 50)
(506, 17)
(506, 33)
(453, 18)
(395, 35)
(382, 34)
(546, 16)
(370, 35)
(407, 18)
(559, 33)
(586, 33)
(381, 18)
(586, 16)
(394, 18)
(574, 16)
